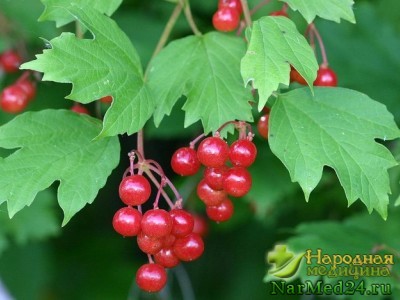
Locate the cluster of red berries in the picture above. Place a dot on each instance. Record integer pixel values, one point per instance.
(220, 180)
(15, 97)
(167, 237)
(227, 17)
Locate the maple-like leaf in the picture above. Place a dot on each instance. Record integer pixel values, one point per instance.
(336, 127)
(206, 69)
(55, 145)
(274, 45)
(106, 65)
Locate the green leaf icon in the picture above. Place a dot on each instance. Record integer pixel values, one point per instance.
(285, 262)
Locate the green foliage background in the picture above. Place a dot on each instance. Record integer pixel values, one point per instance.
(87, 260)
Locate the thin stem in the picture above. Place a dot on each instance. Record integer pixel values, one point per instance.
(166, 33)
(196, 140)
(225, 124)
(170, 184)
(259, 6)
(140, 144)
(157, 165)
(310, 34)
(162, 184)
(97, 106)
(155, 181)
(285, 8)
(189, 17)
(321, 45)
(256, 8)
(132, 157)
(150, 259)
(78, 30)
(24, 76)
(246, 12)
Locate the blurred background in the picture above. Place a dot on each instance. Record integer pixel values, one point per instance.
(86, 259)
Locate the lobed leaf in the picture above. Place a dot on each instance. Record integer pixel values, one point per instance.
(336, 127)
(54, 145)
(55, 9)
(106, 65)
(333, 10)
(206, 70)
(274, 45)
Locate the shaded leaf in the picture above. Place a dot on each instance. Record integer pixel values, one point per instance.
(358, 235)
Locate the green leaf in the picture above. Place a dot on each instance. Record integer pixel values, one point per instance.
(54, 145)
(333, 10)
(37, 222)
(271, 183)
(335, 128)
(274, 45)
(206, 70)
(55, 9)
(108, 64)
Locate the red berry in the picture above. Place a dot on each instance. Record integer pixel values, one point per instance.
(234, 4)
(149, 244)
(226, 19)
(262, 126)
(242, 153)
(266, 110)
(208, 195)
(151, 277)
(325, 77)
(134, 190)
(156, 223)
(166, 258)
(214, 177)
(296, 77)
(183, 222)
(169, 240)
(10, 61)
(13, 99)
(29, 87)
(221, 212)
(189, 248)
(80, 109)
(185, 162)
(106, 99)
(200, 225)
(279, 13)
(126, 221)
(213, 152)
(237, 182)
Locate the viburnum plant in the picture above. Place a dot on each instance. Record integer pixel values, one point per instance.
(249, 78)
